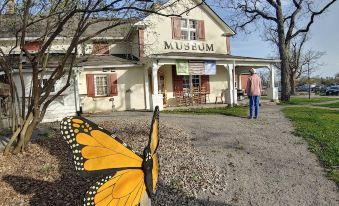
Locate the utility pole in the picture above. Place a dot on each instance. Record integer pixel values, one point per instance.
(309, 80)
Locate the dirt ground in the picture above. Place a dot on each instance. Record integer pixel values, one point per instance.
(204, 160)
(264, 163)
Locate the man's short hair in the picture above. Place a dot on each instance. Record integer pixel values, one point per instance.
(252, 71)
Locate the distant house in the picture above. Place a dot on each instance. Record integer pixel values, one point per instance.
(147, 63)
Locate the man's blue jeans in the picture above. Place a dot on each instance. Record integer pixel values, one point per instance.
(254, 105)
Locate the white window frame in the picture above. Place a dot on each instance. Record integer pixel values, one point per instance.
(96, 86)
(196, 77)
(188, 29)
(186, 82)
(42, 84)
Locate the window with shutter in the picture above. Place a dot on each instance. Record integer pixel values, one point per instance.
(190, 29)
(101, 85)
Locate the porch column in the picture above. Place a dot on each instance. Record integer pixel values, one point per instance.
(272, 92)
(239, 84)
(146, 89)
(229, 91)
(235, 92)
(156, 98)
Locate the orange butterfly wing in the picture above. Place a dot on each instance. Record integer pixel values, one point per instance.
(94, 149)
(153, 146)
(126, 187)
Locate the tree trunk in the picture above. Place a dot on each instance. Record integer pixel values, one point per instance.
(25, 133)
(292, 82)
(283, 51)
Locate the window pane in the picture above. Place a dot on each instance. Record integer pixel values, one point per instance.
(186, 82)
(183, 23)
(193, 24)
(196, 80)
(184, 35)
(193, 35)
(101, 88)
(43, 84)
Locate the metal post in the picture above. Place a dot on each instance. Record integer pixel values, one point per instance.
(309, 80)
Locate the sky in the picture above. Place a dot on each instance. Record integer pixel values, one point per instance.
(324, 38)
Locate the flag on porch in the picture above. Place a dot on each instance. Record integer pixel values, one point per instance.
(182, 67)
(210, 67)
(196, 67)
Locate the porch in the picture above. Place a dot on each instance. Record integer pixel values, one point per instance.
(165, 88)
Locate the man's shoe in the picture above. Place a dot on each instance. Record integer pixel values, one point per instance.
(250, 117)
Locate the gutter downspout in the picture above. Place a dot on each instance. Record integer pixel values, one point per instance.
(235, 96)
(76, 91)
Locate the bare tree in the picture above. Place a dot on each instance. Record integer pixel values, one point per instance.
(49, 20)
(285, 20)
(302, 61)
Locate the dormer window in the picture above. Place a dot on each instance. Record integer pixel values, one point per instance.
(188, 29)
(100, 48)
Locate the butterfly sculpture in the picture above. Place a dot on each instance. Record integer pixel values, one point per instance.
(127, 176)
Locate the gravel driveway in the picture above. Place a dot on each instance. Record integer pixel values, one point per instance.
(264, 163)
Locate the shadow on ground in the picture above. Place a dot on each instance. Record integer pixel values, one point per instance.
(70, 188)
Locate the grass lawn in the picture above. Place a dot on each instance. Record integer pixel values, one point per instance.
(303, 101)
(236, 111)
(333, 105)
(321, 130)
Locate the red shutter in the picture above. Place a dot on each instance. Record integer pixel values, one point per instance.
(205, 82)
(176, 28)
(141, 43)
(113, 84)
(33, 46)
(201, 30)
(228, 44)
(90, 85)
(177, 80)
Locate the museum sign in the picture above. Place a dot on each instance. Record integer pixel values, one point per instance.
(188, 46)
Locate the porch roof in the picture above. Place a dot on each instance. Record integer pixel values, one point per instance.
(211, 56)
(104, 61)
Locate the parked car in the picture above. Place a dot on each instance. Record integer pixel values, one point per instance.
(320, 89)
(333, 90)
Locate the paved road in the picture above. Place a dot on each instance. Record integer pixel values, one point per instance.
(264, 162)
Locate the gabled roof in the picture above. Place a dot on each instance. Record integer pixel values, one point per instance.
(100, 61)
(10, 24)
(216, 17)
(228, 30)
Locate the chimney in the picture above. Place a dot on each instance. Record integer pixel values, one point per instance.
(155, 6)
(10, 7)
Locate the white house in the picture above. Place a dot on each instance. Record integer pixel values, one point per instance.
(138, 66)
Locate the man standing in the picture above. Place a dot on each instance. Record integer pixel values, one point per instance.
(253, 90)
